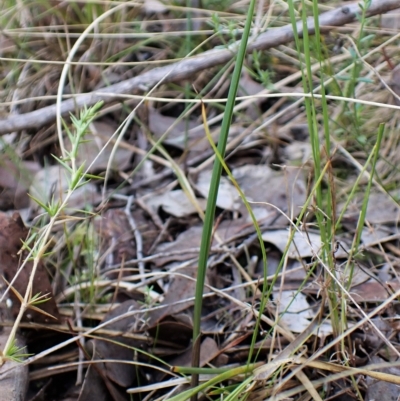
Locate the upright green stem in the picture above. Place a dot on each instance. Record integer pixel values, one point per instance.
(212, 197)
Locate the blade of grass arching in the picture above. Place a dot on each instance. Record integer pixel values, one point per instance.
(265, 293)
(350, 197)
(349, 269)
(209, 371)
(214, 381)
(212, 197)
(363, 213)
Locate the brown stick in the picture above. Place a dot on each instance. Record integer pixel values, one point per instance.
(186, 68)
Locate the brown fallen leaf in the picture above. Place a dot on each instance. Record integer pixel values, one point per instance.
(51, 184)
(187, 243)
(112, 375)
(374, 291)
(208, 351)
(116, 236)
(381, 390)
(12, 233)
(391, 20)
(15, 179)
(195, 140)
(382, 209)
(284, 189)
(180, 288)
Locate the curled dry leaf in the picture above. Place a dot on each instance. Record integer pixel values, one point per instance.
(303, 244)
(296, 312)
(270, 193)
(263, 187)
(186, 245)
(379, 389)
(176, 203)
(228, 196)
(15, 180)
(295, 270)
(208, 351)
(181, 288)
(195, 139)
(374, 291)
(382, 209)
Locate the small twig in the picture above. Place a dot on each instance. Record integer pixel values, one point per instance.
(154, 216)
(162, 234)
(138, 236)
(81, 341)
(187, 68)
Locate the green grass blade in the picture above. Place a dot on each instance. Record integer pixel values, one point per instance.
(266, 293)
(212, 198)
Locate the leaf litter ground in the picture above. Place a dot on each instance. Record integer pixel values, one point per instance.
(123, 272)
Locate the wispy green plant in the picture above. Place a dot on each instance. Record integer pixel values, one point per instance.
(77, 177)
(77, 138)
(349, 268)
(13, 353)
(324, 210)
(265, 76)
(325, 196)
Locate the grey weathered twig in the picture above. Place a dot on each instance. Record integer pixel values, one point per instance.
(186, 68)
